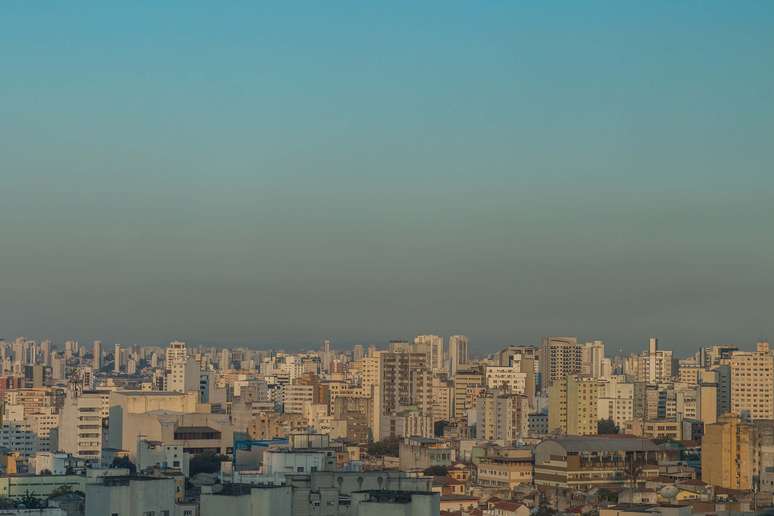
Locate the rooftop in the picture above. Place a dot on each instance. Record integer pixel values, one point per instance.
(381, 496)
(151, 393)
(597, 444)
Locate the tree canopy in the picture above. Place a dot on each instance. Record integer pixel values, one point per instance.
(607, 426)
(206, 463)
(389, 446)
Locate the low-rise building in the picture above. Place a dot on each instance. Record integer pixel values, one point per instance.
(131, 496)
(423, 452)
(506, 469)
(586, 462)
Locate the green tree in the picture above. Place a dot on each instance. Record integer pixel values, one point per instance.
(207, 462)
(389, 446)
(439, 427)
(607, 426)
(124, 462)
(61, 490)
(437, 471)
(30, 501)
(543, 508)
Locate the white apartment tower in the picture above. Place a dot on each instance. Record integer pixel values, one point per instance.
(458, 352)
(80, 433)
(96, 351)
(592, 359)
(182, 373)
(656, 365)
(117, 359)
(434, 348)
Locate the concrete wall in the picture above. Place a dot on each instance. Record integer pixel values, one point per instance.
(136, 498)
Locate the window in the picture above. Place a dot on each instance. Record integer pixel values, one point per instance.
(300, 469)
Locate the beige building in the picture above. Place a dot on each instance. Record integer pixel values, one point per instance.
(271, 425)
(366, 371)
(297, 395)
(505, 468)
(617, 400)
(433, 346)
(655, 428)
(689, 374)
(559, 358)
(585, 462)
(574, 406)
(458, 353)
(752, 382)
(593, 362)
(501, 416)
(442, 399)
(727, 458)
(510, 378)
(464, 379)
(135, 414)
(655, 365)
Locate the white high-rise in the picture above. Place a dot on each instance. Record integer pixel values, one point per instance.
(182, 371)
(96, 351)
(655, 365)
(117, 359)
(458, 352)
(81, 431)
(434, 348)
(592, 358)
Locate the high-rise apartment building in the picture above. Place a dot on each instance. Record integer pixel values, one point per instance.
(117, 359)
(592, 359)
(573, 405)
(752, 382)
(433, 346)
(656, 365)
(181, 372)
(399, 375)
(458, 352)
(81, 431)
(559, 358)
(464, 380)
(442, 399)
(501, 416)
(730, 462)
(175, 352)
(96, 351)
(714, 355)
(617, 400)
(296, 396)
(507, 378)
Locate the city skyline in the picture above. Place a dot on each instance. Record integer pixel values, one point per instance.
(278, 174)
(344, 347)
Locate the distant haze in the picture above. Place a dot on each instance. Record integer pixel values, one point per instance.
(362, 171)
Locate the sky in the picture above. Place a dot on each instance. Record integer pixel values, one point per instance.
(275, 173)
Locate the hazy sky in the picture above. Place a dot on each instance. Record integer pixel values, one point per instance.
(277, 174)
